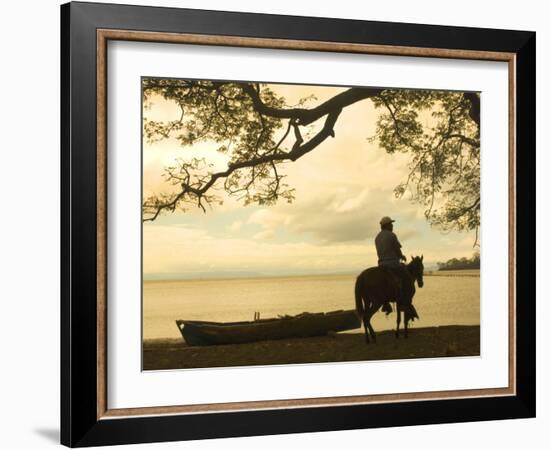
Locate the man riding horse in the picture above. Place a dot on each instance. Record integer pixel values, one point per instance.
(390, 281)
(390, 256)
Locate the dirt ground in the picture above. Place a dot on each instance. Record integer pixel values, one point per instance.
(430, 342)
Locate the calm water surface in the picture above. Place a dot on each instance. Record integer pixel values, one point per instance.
(444, 300)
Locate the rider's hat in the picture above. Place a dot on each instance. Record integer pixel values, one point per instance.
(386, 220)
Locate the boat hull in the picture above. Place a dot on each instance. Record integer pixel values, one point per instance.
(302, 325)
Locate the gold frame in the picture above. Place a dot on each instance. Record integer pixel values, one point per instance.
(103, 36)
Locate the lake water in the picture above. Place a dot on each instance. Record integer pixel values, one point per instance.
(444, 300)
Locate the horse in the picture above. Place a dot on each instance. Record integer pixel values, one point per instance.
(375, 287)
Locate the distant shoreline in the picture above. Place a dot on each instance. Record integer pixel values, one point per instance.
(436, 273)
(453, 273)
(254, 277)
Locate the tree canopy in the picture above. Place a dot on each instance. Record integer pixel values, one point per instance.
(257, 130)
(461, 263)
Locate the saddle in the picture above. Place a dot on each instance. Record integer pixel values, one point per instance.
(396, 277)
(395, 274)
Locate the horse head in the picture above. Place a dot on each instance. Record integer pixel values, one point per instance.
(416, 269)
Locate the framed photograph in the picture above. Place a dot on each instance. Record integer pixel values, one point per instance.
(278, 224)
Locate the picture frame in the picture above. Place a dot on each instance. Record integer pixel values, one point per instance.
(86, 418)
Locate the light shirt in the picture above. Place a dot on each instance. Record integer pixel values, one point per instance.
(388, 248)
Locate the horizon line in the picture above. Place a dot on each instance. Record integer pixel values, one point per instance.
(281, 275)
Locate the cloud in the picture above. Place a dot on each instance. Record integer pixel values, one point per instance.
(265, 234)
(350, 204)
(342, 216)
(179, 249)
(236, 226)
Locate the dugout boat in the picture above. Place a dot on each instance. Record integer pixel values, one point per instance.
(302, 325)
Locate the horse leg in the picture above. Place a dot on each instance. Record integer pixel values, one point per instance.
(373, 308)
(407, 318)
(372, 333)
(366, 325)
(398, 320)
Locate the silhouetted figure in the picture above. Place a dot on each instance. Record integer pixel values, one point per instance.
(375, 287)
(390, 255)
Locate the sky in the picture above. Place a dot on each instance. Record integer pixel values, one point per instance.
(343, 188)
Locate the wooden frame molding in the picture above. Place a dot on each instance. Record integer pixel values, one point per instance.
(103, 36)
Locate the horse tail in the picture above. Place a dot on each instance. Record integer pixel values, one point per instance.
(358, 297)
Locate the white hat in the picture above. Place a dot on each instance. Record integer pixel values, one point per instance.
(385, 220)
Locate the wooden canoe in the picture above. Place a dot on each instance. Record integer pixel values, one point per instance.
(303, 325)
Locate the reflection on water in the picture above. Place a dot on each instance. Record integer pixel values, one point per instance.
(443, 300)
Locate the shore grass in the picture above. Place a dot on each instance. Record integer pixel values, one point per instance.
(429, 342)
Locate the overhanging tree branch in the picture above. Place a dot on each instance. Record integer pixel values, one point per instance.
(245, 119)
(304, 116)
(190, 192)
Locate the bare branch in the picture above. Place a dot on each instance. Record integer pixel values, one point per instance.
(189, 192)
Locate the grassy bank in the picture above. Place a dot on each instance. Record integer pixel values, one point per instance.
(427, 342)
